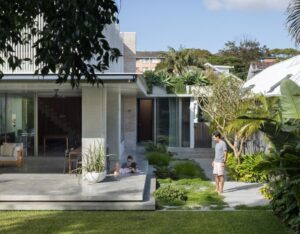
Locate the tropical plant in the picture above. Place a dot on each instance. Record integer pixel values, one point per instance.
(293, 20)
(283, 162)
(246, 171)
(177, 62)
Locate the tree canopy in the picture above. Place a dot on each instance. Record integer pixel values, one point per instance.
(71, 36)
(177, 62)
(241, 54)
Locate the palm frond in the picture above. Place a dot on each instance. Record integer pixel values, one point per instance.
(293, 20)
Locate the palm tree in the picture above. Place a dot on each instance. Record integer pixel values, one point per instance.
(293, 20)
(177, 62)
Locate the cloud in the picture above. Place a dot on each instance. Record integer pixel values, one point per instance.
(246, 5)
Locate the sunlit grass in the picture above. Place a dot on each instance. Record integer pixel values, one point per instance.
(223, 222)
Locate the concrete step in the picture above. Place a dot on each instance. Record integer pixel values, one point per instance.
(188, 153)
(147, 204)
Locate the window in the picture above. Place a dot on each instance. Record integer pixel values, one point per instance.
(167, 121)
(17, 120)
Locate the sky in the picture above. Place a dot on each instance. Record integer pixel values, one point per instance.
(204, 24)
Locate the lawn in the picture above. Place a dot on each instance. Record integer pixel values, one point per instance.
(140, 222)
(199, 194)
(188, 189)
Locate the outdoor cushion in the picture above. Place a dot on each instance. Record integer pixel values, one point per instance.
(8, 149)
(7, 158)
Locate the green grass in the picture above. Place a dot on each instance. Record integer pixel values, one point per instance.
(246, 222)
(245, 207)
(199, 194)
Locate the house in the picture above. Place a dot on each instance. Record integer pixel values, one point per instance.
(258, 66)
(219, 69)
(268, 81)
(147, 60)
(49, 118)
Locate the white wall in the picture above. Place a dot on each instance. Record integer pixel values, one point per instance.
(129, 40)
(112, 34)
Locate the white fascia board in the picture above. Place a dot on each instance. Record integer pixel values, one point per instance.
(112, 77)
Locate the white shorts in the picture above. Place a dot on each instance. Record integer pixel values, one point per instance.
(219, 169)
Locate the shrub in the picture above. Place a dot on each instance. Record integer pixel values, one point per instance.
(266, 192)
(164, 140)
(158, 158)
(286, 202)
(165, 172)
(246, 171)
(159, 147)
(188, 169)
(170, 193)
(152, 79)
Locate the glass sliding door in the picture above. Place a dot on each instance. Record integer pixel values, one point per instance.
(17, 120)
(167, 121)
(2, 119)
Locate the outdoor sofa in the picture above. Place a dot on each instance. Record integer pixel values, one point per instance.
(11, 154)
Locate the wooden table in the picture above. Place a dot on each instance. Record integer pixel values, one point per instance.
(73, 155)
(56, 137)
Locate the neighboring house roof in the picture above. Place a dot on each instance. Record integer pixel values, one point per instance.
(149, 54)
(259, 66)
(268, 81)
(221, 69)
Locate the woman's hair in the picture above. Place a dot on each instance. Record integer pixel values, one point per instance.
(133, 165)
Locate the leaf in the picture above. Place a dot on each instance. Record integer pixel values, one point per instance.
(290, 99)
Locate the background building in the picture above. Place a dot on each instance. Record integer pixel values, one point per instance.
(147, 60)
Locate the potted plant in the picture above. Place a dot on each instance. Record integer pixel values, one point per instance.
(93, 164)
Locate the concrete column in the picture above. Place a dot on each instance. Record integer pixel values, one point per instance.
(114, 122)
(193, 117)
(130, 118)
(93, 117)
(179, 122)
(36, 124)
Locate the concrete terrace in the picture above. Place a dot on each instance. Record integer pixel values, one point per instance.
(41, 185)
(69, 192)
